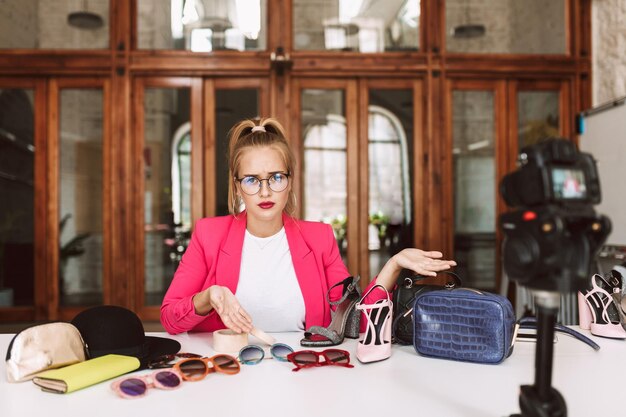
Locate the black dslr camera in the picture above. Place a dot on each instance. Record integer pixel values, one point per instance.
(552, 237)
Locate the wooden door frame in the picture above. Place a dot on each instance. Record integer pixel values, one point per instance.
(505, 119)
(136, 296)
(39, 309)
(350, 89)
(419, 189)
(498, 87)
(56, 85)
(203, 163)
(211, 85)
(356, 113)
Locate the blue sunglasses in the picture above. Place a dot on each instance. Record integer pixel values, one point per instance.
(253, 354)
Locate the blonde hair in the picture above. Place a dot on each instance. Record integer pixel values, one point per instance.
(257, 133)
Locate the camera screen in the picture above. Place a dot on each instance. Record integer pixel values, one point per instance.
(568, 183)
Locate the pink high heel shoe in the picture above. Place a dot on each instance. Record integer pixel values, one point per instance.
(598, 312)
(375, 344)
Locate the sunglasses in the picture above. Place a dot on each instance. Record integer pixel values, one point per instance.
(253, 354)
(310, 358)
(137, 386)
(195, 369)
(165, 361)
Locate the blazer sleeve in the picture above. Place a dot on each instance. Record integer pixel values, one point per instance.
(177, 311)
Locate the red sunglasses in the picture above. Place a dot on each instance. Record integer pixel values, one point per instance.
(310, 358)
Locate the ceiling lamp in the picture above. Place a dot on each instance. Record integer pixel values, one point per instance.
(468, 30)
(84, 19)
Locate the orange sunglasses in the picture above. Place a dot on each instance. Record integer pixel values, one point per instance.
(195, 369)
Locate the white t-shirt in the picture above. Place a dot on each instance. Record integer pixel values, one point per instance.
(268, 288)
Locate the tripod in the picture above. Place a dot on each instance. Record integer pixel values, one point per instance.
(540, 399)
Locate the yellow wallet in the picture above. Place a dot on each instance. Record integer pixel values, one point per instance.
(84, 374)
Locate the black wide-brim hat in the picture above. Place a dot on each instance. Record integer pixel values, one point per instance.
(113, 329)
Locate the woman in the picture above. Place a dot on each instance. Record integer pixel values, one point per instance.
(262, 264)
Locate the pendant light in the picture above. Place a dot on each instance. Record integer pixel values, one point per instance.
(468, 30)
(84, 19)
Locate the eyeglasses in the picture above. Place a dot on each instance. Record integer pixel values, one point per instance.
(195, 369)
(137, 386)
(165, 360)
(310, 358)
(253, 354)
(251, 184)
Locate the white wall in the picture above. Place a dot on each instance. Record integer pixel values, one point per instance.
(609, 50)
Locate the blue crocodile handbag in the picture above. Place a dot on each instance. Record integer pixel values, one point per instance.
(463, 324)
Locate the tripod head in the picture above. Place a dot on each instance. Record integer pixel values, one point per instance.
(552, 237)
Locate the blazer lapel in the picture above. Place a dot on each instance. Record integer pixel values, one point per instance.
(229, 262)
(307, 272)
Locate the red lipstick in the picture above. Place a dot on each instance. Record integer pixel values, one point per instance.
(266, 205)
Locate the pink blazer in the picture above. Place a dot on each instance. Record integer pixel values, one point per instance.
(214, 257)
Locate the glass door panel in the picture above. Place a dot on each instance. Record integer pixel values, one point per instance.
(506, 27)
(17, 194)
(324, 168)
(202, 25)
(167, 186)
(390, 155)
(474, 179)
(356, 25)
(537, 116)
(41, 24)
(80, 196)
(231, 106)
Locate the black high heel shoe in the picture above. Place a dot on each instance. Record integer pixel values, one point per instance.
(345, 321)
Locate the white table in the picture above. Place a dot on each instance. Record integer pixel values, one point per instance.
(404, 385)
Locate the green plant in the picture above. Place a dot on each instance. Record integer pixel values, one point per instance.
(338, 223)
(381, 221)
(73, 247)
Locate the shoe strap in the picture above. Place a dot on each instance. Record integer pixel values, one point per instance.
(362, 306)
(368, 309)
(614, 279)
(323, 331)
(612, 283)
(380, 303)
(350, 285)
(600, 296)
(531, 323)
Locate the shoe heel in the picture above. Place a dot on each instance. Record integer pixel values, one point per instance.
(584, 312)
(353, 324)
(345, 320)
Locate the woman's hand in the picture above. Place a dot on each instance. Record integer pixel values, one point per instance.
(422, 262)
(426, 263)
(224, 302)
